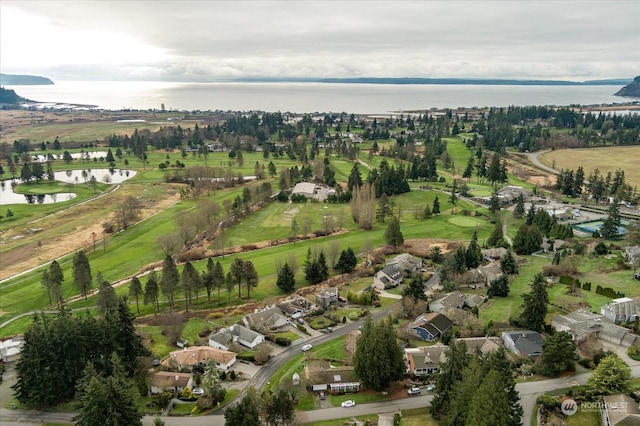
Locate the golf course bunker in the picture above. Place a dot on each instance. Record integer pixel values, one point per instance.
(465, 221)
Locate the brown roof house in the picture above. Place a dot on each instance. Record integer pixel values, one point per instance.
(429, 326)
(484, 345)
(297, 307)
(187, 358)
(322, 376)
(164, 381)
(426, 360)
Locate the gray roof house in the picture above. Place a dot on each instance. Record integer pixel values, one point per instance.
(623, 309)
(631, 254)
(406, 262)
(327, 296)
(619, 410)
(313, 191)
(429, 326)
(267, 319)
(235, 334)
(297, 306)
(524, 343)
(169, 381)
(582, 323)
(453, 300)
(387, 277)
(425, 360)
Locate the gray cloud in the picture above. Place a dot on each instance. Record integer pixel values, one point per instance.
(207, 40)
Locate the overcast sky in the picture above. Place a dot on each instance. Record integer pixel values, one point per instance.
(213, 40)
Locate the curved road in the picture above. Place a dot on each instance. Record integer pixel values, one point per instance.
(533, 158)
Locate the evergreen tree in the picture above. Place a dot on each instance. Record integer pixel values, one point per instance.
(500, 362)
(106, 401)
(135, 290)
(519, 211)
(558, 354)
(82, 273)
(107, 299)
(385, 208)
(496, 238)
(473, 254)
(463, 392)
(190, 282)
(347, 261)
(246, 413)
(449, 375)
(151, 291)
(278, 408)
(378, 359)
(453, 197)
(393, 235)
(435, 253)
(494, 203)
(508, 264)
(611, 376)
(218, 278)
(499, 287)
(128, 344)
(237, 272)
(535, 305)
(492, 410)
(286, 280)
(611, 225)
(435, 209)
(527, 240)
(355, 178)
(415, 288)
(170, 280)
(249, 277)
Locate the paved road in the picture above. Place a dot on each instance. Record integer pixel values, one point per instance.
(529, 393)
(533, 158)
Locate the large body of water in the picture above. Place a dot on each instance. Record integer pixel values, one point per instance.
(310, 97)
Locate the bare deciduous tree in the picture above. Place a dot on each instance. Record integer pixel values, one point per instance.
(363, 205)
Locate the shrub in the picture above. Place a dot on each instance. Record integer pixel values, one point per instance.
(232, 375)
(283, 341)
(601, 249)
(633, 353)
(215, 315)
(302, 328)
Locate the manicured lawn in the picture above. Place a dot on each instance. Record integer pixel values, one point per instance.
(333, 349)
(418, 417)
(359, 397)
(582, 417)
(342, 422)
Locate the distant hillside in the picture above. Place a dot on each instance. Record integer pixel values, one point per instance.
(631, 90)
(9, 97)
(23, 80)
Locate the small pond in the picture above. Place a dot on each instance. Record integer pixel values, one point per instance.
(89, 155)
(116, 176)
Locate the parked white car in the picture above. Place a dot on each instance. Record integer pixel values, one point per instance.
(306, 347)
(414, 391)
(348, 403)
(198, 391)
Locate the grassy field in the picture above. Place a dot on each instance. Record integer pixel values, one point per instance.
(607, 159)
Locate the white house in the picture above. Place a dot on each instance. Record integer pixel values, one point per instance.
(623, 309)
(237, 333)
(387, 277)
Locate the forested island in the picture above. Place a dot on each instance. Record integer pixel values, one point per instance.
(24, 80)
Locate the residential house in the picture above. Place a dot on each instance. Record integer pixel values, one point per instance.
(327, 296)
(583, 323)
(322, 376)
(237, 333)
(267, 319)
(484, 345)
(167, 381)
(489, 273)
(406, 262)
(494, 254)
(429, 326)
(297, 307)
(619, 410)
(524, 343)
(388, 277)
(426, 360)
(188, 358)
(452, 300)
(632, 255)
(623, 309)
(312, 191)
(10, 348)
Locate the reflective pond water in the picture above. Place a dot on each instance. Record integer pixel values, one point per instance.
(116, 176)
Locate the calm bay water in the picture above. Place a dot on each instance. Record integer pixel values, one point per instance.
(310, 97)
